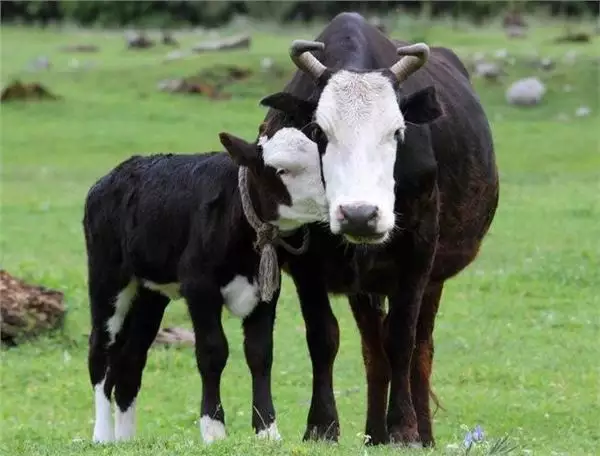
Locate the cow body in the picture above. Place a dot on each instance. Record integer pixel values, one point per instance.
(445, 194)
(168, 226)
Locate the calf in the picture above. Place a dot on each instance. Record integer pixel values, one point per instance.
(162, 227)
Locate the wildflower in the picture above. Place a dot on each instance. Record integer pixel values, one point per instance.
(468, 440)
(478, 434)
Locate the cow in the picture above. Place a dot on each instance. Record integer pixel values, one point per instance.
(166, 226)
(412, 187)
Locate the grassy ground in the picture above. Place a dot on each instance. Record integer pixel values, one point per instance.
(517, 332)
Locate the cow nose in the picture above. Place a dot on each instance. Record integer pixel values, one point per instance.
(358, 219)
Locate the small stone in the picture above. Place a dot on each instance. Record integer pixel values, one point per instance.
(583, 111)
(526, 92)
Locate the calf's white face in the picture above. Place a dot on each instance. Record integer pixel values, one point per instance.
(360, 116)
(296, 161)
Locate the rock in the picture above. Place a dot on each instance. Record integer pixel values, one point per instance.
(546, 64)
(501, 53)
(234, 42)
(138, 40)
(176, 55)
(583, 111)
(488, 70)
(40, 63)
(570, 57)
(526, 92)
(515, 31)
(80, 48)
(30, 91)
(27, 310)
(266, 63)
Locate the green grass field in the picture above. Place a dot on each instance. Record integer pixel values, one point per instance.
(517, 334)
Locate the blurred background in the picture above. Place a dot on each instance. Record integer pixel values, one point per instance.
(87, 84)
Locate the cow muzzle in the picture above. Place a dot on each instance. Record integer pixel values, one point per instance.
(359, 222)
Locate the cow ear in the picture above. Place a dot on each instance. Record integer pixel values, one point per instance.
(421, 107)
(241, 152)
(290, 104)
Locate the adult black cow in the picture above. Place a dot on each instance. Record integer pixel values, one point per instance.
(411, 181)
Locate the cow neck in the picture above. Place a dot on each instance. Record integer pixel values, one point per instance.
(267, 236)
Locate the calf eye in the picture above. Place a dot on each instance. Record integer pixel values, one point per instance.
(281, 171)
(398, 135)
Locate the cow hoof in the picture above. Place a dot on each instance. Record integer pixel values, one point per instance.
(330, 432)
(407, 439)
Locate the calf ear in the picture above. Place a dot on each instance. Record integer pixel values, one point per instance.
(290, 104)
(421, 107)
(241, 152)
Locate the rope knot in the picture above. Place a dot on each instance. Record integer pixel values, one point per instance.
(267, 236)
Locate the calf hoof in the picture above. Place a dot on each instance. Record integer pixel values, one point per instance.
(329, 432)
(269, 433)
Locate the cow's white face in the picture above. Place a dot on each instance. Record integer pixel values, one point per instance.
(295, 159)
(360, 116)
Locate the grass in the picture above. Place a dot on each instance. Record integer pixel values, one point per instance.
(516, 336)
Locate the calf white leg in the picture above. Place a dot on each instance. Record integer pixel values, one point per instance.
(125, 423)
(211, 429)
(103, 426)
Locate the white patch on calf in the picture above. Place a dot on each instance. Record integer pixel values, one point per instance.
(359, 114)
(125, 423)
(293, 152)
(170, 290)
(240, 296)
(103, 426)
(271, 433)
(122, 306)
(211, 430)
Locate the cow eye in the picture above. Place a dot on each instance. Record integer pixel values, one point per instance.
(281, 171)
(398, 135)
(316, 134)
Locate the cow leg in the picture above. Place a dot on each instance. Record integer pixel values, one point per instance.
(323, 338)
(369, 313)
(400, 328)
(110, 298)
(205, 305)
(258, 348)
(422, 361)
(128, 361)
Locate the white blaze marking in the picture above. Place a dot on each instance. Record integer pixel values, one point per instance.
(289, 149)
(103, 426)
(240, 296)
(170, 290)
(359, 114)
(122, 306)
(125, 423)
(271, 433)
(211, 430)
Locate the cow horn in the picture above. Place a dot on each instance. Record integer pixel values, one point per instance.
(414, 58)
(301, 56)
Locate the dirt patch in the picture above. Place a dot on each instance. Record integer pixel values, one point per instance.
(27, 310)
(210, 82)
(17, 90)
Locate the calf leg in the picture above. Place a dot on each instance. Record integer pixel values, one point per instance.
(258, 348)
(127, 362)
(110, 300)
(369, 313)
(205, 305)
(323, 338)
(422, 361)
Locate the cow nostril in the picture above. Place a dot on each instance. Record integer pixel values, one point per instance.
(357, 213)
